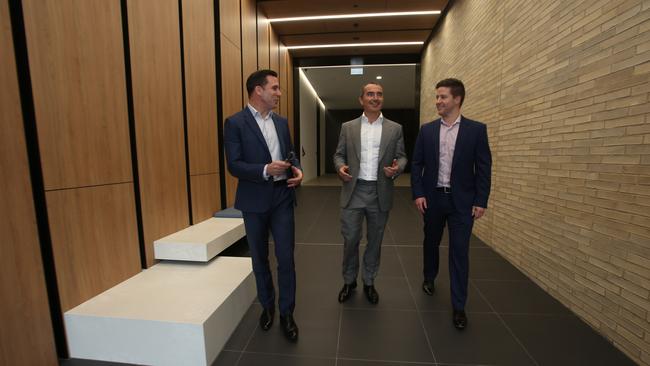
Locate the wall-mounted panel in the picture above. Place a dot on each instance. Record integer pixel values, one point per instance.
(94, 240)
(206, 196)
(26, 332)
(200, 86)
(262, 40)
(77, 70)
(231, 96)
(229, 21)
(284, 79)
(249, 41)
(154, 40)
(274, 50)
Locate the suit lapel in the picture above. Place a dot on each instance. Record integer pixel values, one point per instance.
(436, 142)
(462, 134)
(278, 131)
(252, 124)
(385, 137)
(356, 138)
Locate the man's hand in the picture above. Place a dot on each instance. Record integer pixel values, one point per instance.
(297, 177)
(421, 204)
(392, 170)
(277, 167)
(344, 173)
(477, 212)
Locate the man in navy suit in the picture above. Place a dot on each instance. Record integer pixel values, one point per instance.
(260, 154)
(450, 180)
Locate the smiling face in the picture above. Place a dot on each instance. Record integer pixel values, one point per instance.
(372, 99)
(446, 104)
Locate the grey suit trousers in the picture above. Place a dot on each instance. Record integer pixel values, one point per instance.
(363, 203)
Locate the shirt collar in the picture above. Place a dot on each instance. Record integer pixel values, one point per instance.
(379, 120)
(442, 121)
(256, 113)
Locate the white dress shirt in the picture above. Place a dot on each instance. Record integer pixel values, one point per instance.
(270, 136)
(370, 140)
(448, 136)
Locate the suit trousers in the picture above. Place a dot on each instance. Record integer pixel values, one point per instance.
(279, 220)
(442, 211)
(363, 203)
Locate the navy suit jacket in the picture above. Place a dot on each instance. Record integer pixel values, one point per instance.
(470, 170)
(246, 155)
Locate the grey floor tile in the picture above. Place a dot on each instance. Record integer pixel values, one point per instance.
(485, 341)
(317, 338)
(244, 331)
(380, 335)
(345, 362)
(227, 358)
(563, 340)
(519, 297)
(441, 299)
(494, 269)
(258, 359)
(393, 294)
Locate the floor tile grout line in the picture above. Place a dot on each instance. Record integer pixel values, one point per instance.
(338, 337)
(504, 323)
(250, 338)
(389, 361)
(320, 213)
(417, 309)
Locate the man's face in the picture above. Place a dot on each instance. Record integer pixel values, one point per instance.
(372, 99)
(270, 93)
(446, 104)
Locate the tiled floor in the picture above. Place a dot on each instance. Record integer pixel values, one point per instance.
(511, 320)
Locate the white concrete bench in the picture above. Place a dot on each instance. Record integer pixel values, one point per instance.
(170, 314)
(200, 242)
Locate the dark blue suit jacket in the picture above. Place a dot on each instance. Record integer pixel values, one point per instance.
(247, 153)
(471, 165)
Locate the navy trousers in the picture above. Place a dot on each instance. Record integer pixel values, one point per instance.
(441, 211)
(279, 221)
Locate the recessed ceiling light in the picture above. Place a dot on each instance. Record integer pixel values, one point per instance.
(361, 15)
(379, 77)
(336, 45)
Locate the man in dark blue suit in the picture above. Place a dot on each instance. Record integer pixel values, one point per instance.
(260, 154)
(450, 180)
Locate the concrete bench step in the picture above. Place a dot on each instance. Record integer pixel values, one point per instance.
(170, 314)
(200, 242)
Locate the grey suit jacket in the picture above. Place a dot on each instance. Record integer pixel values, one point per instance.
(348, 152)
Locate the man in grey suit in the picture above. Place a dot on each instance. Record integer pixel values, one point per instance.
(369, 155)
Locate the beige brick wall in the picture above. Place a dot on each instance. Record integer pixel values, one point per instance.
(564, 89)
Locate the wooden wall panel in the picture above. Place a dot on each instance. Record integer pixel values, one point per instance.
(94, 239)
(77, 69)
(262, 40)
(290, 95)
(249, 41)
(282, 73)
(157, 98)
(230, 21)
(206, 196)
(200, 86)
(26, 336)
(274, 50)
(232, 97)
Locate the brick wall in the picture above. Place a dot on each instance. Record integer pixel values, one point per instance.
(564, 89)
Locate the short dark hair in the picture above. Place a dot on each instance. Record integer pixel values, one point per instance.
(258, 78)
(363, 87)
(455, 86)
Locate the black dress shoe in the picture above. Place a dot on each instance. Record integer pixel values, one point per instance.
(459, 319)
(371, 294)
(289, 327)
(428, 287)
(266, 319)
(346, 291)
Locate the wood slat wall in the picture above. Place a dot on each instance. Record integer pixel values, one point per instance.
(26, 336)
(154, 37)
(262, 40)
(201, 103)
(76, 62)
(249, 42)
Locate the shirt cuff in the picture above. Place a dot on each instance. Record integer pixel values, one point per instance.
(264, 174)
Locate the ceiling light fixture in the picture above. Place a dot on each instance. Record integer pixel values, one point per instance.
(379, 77)
(361, 15)
(337, 45)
